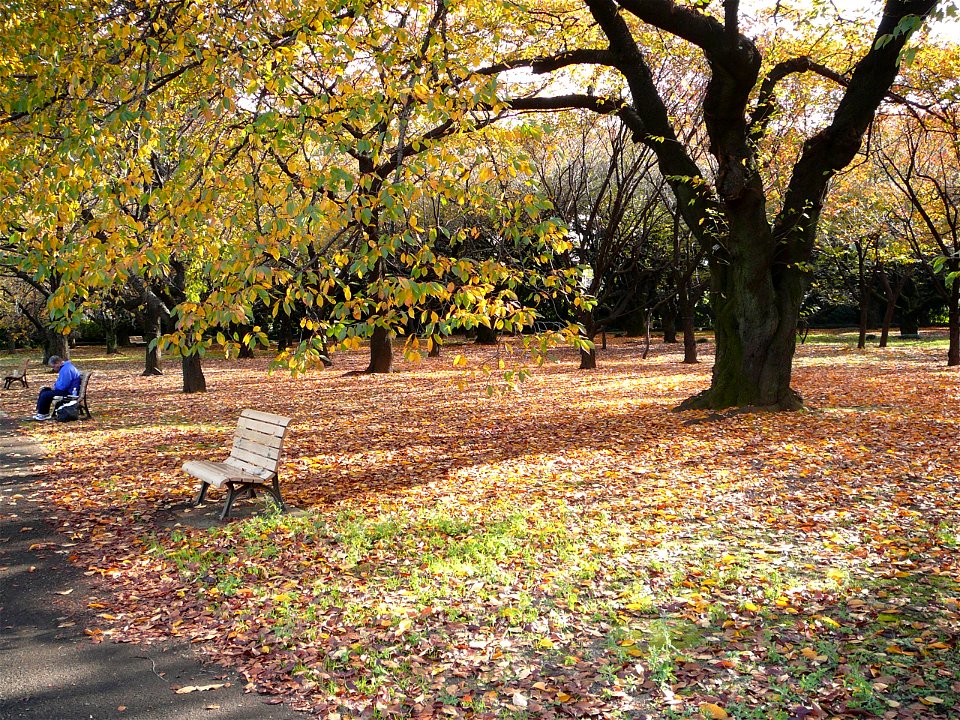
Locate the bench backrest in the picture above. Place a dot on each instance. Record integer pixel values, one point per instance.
(19, 372)
(84, 381)
(258, 443)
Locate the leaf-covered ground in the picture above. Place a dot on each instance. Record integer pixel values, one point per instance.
(572, 549)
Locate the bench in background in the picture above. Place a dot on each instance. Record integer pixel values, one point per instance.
(18, 375)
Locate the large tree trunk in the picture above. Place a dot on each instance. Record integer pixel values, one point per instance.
(193, 379)
(757, 305)
(381, 351)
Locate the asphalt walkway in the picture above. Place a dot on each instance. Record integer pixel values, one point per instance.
(49, 669)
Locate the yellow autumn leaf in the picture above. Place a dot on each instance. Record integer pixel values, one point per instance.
(713, 711)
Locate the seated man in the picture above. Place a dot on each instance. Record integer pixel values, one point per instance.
(68, 383)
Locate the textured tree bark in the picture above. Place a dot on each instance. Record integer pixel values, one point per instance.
(757, 305)
(381, 351)
(193, 379)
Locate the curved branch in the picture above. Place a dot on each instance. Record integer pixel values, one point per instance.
(766, 102)
(542, 65)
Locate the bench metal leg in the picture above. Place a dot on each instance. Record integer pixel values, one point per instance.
(275, 492)
(201, 493)
(228, 503)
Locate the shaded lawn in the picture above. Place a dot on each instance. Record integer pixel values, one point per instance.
(573, 549)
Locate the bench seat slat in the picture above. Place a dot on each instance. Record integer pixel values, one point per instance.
(217, 474)
(258, 471)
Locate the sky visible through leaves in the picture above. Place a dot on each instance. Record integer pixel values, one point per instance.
(571, 549)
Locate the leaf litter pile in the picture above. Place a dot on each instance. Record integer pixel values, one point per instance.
(572, 549)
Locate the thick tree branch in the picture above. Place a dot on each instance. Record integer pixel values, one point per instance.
(723, 46)
(834, 147)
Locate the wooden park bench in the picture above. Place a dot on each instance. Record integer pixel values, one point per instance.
(137, 340)
(253, 463)
(80, 397)
(17, 375)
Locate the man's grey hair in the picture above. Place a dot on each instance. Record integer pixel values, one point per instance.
(54, 360)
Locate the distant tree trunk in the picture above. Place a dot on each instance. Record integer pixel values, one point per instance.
(686, 303)
(246, 352)
(588, 358)
(435, 347)
(953, 353)
(486, 335)
(55, 344)
(646, 346)
(283, 326)
(864, 291)
(110, 332)
(381, 351)
(669, 320)
(686, 325)
(892, 296)
(151, 331)
(193, 379)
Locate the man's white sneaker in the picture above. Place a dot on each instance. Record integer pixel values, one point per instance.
(41, 416)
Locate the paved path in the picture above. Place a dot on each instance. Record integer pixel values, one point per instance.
(49, 670)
